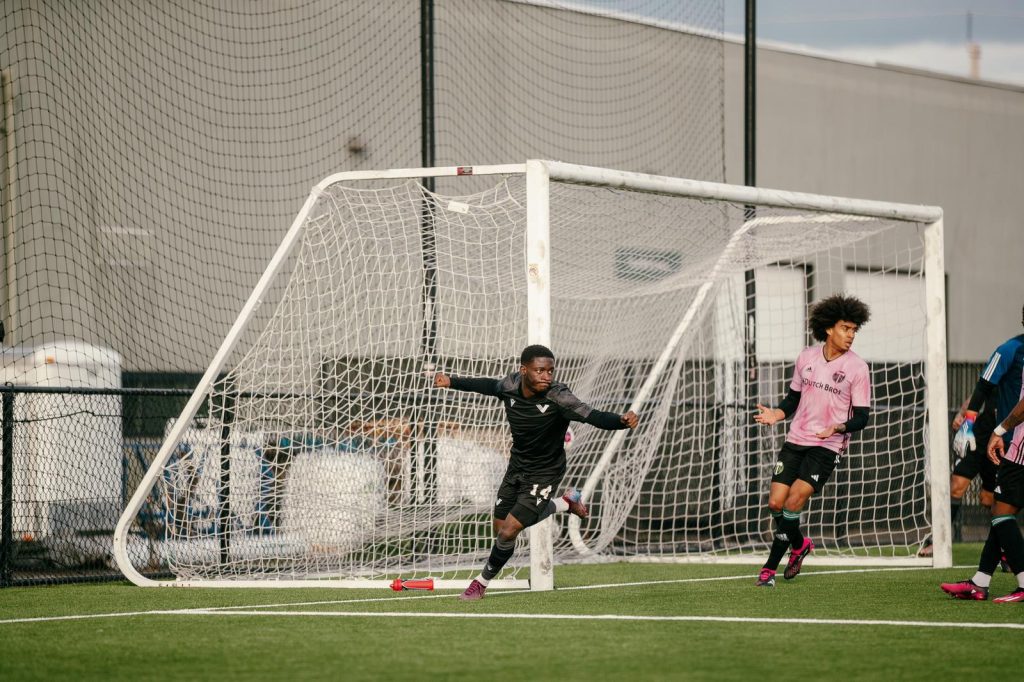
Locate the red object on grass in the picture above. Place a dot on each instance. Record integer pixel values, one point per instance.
(415, 584)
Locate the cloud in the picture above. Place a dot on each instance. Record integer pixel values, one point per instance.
(1000, 61)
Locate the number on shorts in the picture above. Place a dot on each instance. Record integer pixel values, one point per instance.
(543, 494)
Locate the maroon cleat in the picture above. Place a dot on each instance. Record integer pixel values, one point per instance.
(576, 506)
(965, 589)
(766, 579)
(796, 559)
(1016, 595)
(473, 592)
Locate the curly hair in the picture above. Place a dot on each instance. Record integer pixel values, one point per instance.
(535, 351)
(827, 312)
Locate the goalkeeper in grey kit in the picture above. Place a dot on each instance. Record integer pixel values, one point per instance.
(538, 411)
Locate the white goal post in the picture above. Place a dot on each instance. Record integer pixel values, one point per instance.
(315, 452)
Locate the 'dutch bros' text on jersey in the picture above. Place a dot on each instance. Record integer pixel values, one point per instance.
(829, 390)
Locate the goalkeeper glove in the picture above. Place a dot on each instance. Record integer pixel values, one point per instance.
(965, 435)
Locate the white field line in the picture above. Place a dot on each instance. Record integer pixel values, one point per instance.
(259, 609)
(642, 583)
(611, 616)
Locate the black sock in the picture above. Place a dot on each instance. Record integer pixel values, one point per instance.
(990, 553)
(779, 544)
(1011, 541)
(791, 527)
(500, 554)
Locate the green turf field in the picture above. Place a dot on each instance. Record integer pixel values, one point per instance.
(613, 621)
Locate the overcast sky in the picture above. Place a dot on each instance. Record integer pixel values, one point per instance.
(927, 34)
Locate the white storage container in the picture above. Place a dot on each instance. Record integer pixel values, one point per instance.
(67, 448)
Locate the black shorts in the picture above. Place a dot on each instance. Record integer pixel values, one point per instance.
(976, 462)
(810, 463)
(1010, 483)
(525, 495)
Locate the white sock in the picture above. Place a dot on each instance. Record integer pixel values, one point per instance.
(1020, 580)
(482, 580)
(981, 579)
(560, 505)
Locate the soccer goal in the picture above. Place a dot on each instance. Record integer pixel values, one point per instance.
(315, 451)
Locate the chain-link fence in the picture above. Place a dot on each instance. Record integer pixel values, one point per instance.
(72, 457)
(70, 460)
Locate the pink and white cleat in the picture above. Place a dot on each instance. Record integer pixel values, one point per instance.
(966, 589)
(1016, 595)
(766, 578)
(796, 559)
(474, 592)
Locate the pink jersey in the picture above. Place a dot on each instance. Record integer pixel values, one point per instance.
(1015, 452)
(828, 393)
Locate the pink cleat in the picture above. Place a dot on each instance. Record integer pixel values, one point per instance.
(796, 559)
(1016, 595)
(576, 506)
(473, 592)
(766, 579)
(965, 589)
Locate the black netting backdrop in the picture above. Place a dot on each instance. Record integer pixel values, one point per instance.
(154, 153)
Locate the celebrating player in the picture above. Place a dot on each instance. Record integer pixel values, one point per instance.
(538, 410)
(829, 399)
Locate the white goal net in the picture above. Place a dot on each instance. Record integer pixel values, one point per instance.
(316, 449)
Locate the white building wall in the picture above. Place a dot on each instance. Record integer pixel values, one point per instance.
(904, 135)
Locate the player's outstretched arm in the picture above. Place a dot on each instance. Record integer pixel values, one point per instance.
(474, 385)
(611, 421)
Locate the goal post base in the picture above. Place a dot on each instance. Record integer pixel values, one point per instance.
(445, 584)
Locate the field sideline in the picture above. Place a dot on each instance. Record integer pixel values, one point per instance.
(610, 621)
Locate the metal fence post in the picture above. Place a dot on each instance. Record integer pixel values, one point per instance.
(7, 490)
(224, 492)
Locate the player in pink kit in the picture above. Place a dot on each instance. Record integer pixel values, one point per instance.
(829, 398)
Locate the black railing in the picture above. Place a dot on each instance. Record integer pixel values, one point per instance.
(71, 458)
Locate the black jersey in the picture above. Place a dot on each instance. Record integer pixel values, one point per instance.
(538, 424)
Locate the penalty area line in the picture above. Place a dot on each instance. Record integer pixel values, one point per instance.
(618, 617)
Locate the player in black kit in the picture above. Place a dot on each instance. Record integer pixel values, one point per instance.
(538, 410)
